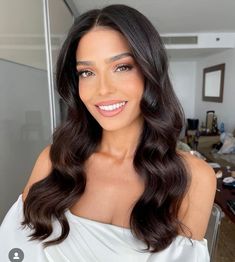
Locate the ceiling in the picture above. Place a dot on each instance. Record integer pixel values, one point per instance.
(22, 35)
(178, 16)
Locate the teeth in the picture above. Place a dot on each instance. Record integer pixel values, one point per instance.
(112, 107)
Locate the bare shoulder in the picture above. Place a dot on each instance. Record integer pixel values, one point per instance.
(200, 170)
(197, 204)
(41, 169)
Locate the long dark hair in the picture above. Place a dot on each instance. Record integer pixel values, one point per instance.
(154, 218)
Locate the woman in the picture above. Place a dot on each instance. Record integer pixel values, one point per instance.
(112, 186)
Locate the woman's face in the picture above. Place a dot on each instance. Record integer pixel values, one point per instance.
(110, 82)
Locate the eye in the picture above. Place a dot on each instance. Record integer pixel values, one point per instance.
(84, 73)
(123, 67)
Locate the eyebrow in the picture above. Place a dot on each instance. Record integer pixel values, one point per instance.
(107, 60)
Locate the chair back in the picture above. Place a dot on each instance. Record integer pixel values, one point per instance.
(212, 233)
(192, 124)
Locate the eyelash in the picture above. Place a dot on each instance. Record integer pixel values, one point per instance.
(128, 68)
(82, 72)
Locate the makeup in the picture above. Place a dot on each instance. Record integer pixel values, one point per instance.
(110, 111)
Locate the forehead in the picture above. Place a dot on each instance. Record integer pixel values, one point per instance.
(101, 42)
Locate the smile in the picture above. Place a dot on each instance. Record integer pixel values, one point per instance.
(112, 107)
(111, 110)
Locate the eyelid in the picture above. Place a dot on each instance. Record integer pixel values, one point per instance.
(130, 65)
(84, 70)
(124, 64)
(81, 71)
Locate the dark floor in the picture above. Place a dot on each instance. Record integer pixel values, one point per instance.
(226, 245)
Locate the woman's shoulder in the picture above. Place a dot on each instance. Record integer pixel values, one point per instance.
(41, 169)
(198, 202)
(197, 168)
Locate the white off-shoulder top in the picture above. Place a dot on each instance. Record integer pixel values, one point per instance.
(91, 241)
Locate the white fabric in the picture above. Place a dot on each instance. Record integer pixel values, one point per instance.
(91, 241)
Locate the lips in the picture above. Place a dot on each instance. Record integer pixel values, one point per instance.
(111, 108)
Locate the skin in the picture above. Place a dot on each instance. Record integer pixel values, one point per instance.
(110, 173)
(105, 80)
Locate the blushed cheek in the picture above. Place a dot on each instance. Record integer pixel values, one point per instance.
(137, 87)
(81, 94)
(85, 94)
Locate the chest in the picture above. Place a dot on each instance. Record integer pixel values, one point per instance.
(110, 194)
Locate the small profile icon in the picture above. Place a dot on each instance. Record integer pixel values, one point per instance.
(16, 254)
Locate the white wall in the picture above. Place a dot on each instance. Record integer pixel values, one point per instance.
(225, 111)
(183, 77)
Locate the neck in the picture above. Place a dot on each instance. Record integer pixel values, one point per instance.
(121, 144)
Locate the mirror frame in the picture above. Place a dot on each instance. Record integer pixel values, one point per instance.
(220, 79)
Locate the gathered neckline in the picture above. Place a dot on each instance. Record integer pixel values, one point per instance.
(77, 218)
(92, 221)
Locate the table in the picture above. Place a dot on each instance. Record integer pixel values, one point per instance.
(206, 141)
(224, 194)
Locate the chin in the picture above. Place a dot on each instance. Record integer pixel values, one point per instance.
(111, 126)
(116, 122)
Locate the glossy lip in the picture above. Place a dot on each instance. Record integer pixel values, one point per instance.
(111, 113)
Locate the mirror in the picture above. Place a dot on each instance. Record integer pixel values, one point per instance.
(213, 83)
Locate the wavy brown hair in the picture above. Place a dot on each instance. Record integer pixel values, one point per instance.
(154, 218)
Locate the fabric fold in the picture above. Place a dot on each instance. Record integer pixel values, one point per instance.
(91, 241)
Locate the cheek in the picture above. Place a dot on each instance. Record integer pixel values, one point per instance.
(137, 87)
(83, 92)
(137, 82)
(80, 93)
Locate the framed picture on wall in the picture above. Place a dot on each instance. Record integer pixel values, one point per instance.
(213, 83)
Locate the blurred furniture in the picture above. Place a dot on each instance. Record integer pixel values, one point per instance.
(209, 120)
(211, 126)
(212, 233)
(192, 132)
(219, 210)
(224, 193)
(206, 141)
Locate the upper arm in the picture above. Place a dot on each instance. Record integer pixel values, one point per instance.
(197, 205)
(41, 169)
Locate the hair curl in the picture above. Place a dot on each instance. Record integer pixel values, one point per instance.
(154, 217)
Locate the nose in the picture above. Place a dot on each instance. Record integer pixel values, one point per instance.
(105, 85)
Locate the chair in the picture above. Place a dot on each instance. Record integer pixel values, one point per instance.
(212, 233)
(192, 132)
